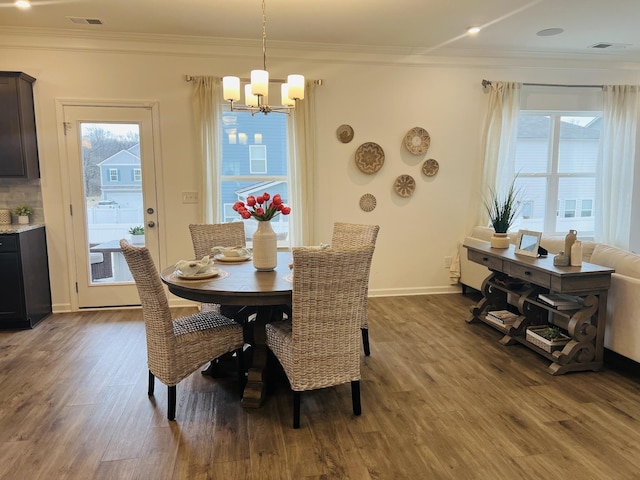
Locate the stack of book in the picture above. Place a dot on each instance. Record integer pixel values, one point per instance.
(561, 301)
(505, 317)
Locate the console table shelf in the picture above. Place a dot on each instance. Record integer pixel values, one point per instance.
(515, 283)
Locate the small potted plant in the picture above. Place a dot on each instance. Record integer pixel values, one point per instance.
(502, 213)
(23, 212)
(137, 235)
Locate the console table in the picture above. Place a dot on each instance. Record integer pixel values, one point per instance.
(515, 283)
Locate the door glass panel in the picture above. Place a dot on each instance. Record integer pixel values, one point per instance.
(112, 180)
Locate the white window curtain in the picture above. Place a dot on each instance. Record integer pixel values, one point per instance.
(499, 141)
(302, 146)
(614, 182)
(207, 109)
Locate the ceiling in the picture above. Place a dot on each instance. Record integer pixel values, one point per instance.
(411, 27)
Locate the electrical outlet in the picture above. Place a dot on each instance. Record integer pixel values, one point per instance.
(189, 197)
(447, 262)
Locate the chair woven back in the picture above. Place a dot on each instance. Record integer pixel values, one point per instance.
(207, 235)
(353, 235)
(329, 289)
(158, 323)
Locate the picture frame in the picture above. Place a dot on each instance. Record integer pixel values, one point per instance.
(527, 243)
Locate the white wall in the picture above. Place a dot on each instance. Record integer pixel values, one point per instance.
(381, 96)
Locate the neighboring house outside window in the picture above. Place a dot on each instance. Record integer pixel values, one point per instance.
(121, 177)
(247, 142)
(555, 163)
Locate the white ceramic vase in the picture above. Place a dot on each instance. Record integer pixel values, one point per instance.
(23, 219)
(265, 247)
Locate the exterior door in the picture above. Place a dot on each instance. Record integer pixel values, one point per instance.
(110, 158)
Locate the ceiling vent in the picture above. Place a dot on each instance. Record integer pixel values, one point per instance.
(85, 21)
(613, 46)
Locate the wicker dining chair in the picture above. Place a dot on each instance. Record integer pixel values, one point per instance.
(205, 236)
(320, 345)
(355, 235)
(176, 348)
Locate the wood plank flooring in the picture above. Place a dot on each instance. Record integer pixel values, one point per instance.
(441, 400)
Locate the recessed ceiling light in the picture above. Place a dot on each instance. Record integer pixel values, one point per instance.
(549, 32)
(473, 30)
(24, 4)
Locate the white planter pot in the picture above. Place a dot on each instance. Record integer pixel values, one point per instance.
(137, 239)
(23, 219)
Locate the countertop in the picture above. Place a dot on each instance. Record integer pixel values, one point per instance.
(19, 227)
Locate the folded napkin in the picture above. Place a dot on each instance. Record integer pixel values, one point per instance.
(231, 251)
(193, 267)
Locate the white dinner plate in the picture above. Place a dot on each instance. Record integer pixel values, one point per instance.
(211, 272)
(222, 258)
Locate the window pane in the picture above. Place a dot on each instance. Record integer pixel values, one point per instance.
(579, 140)
(532, 147)
(246, 142)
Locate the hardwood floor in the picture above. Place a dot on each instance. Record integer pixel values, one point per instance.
(441, 399)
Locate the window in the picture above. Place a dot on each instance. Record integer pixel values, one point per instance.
(555, 161)
(569, 208)
(113, 174)
(244, 169)
(137, 175)
(258, 158)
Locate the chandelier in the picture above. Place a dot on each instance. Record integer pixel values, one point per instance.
(256, 93)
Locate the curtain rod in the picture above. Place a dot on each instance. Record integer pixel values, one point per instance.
(486, 83)
(189, 78)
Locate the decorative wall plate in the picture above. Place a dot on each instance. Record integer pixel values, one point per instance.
(417, 140)
(369, 157)
(344, 133)
(404, 185)
(368, 202)
(430, 167)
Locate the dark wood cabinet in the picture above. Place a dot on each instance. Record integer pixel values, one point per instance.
(18, 143)
(25, 294)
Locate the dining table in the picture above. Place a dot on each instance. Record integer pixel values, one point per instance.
(237, 283)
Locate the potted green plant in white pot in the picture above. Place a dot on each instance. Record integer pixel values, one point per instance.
(23, 212)
(137, 235)
(502, 212)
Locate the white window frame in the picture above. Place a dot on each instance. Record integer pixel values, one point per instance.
(137, 174)
(114, 175)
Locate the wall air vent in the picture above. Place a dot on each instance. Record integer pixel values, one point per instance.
(613, 46)
(85, 21)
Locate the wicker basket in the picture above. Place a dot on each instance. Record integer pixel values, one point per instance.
(5, 217)
(541, 342)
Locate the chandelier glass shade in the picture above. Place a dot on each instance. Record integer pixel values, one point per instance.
(256, 93)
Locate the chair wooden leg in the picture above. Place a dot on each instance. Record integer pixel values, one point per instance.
(241, 370)
(365, 341)
(296, 409)
(355, 397)
(171, 410)
(152, 382)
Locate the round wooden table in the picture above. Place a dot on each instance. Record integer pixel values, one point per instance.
(240, 284)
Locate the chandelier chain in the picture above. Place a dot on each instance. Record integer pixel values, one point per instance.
(264, 36)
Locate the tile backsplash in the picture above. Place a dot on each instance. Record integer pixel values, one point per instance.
(14, 192)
